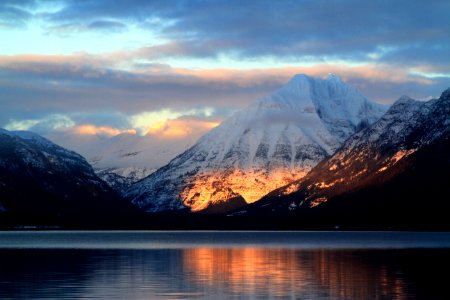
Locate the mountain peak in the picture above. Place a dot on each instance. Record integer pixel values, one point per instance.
(267, 145)
(389, 164)
(405, 99)
(404, 103)
(299, 78)
(304, 81)
(334, 77)
(299, 85)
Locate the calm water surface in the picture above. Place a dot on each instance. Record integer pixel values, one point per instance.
(224, 265)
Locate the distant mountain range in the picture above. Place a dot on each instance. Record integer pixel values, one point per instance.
(125, 158)
(273, 142)
(315, 152)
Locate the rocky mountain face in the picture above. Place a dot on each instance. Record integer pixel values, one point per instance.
(275, 141)
(40, 179)
(398, 165)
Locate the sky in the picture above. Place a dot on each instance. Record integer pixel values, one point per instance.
(174, 68)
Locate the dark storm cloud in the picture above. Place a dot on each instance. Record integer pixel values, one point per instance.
(352, 30)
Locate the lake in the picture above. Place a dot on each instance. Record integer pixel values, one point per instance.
(223, 265)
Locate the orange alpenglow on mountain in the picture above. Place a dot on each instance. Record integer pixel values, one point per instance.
(273, 142)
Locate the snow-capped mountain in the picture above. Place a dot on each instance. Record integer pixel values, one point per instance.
(275, 141)
(402, 160)
(40, 178)
(125, 158)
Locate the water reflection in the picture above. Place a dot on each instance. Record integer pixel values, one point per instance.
(292, 273)
(223, 273)
(249, 271)
(350, 275)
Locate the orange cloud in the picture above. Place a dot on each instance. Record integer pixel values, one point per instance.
(57, 59)
(242, 77)
(172, 129)
(88, 129)
(370, 72)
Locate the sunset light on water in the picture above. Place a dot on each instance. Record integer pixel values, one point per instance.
(224, 149)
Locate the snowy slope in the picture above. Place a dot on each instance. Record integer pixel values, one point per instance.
(30, 146)
(125, 158)
(374, 156)
(276, 140)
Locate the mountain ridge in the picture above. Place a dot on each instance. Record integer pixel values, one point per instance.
(276, 140)
(42, 180)
(394, 147)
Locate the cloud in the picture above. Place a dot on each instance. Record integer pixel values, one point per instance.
(102, 118)
(107, 25)
(89, 129)
(55, 85)
(157, 125)
(13, 17)
(154, 150)
(14, 14)
(137, 10)
(45, 124)
(403, 33)
(181, 127)
(87, 83)
(21, 124)
(157, 122)
(378, 31)
(327, 29)
(171, 70)
(89, 89)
